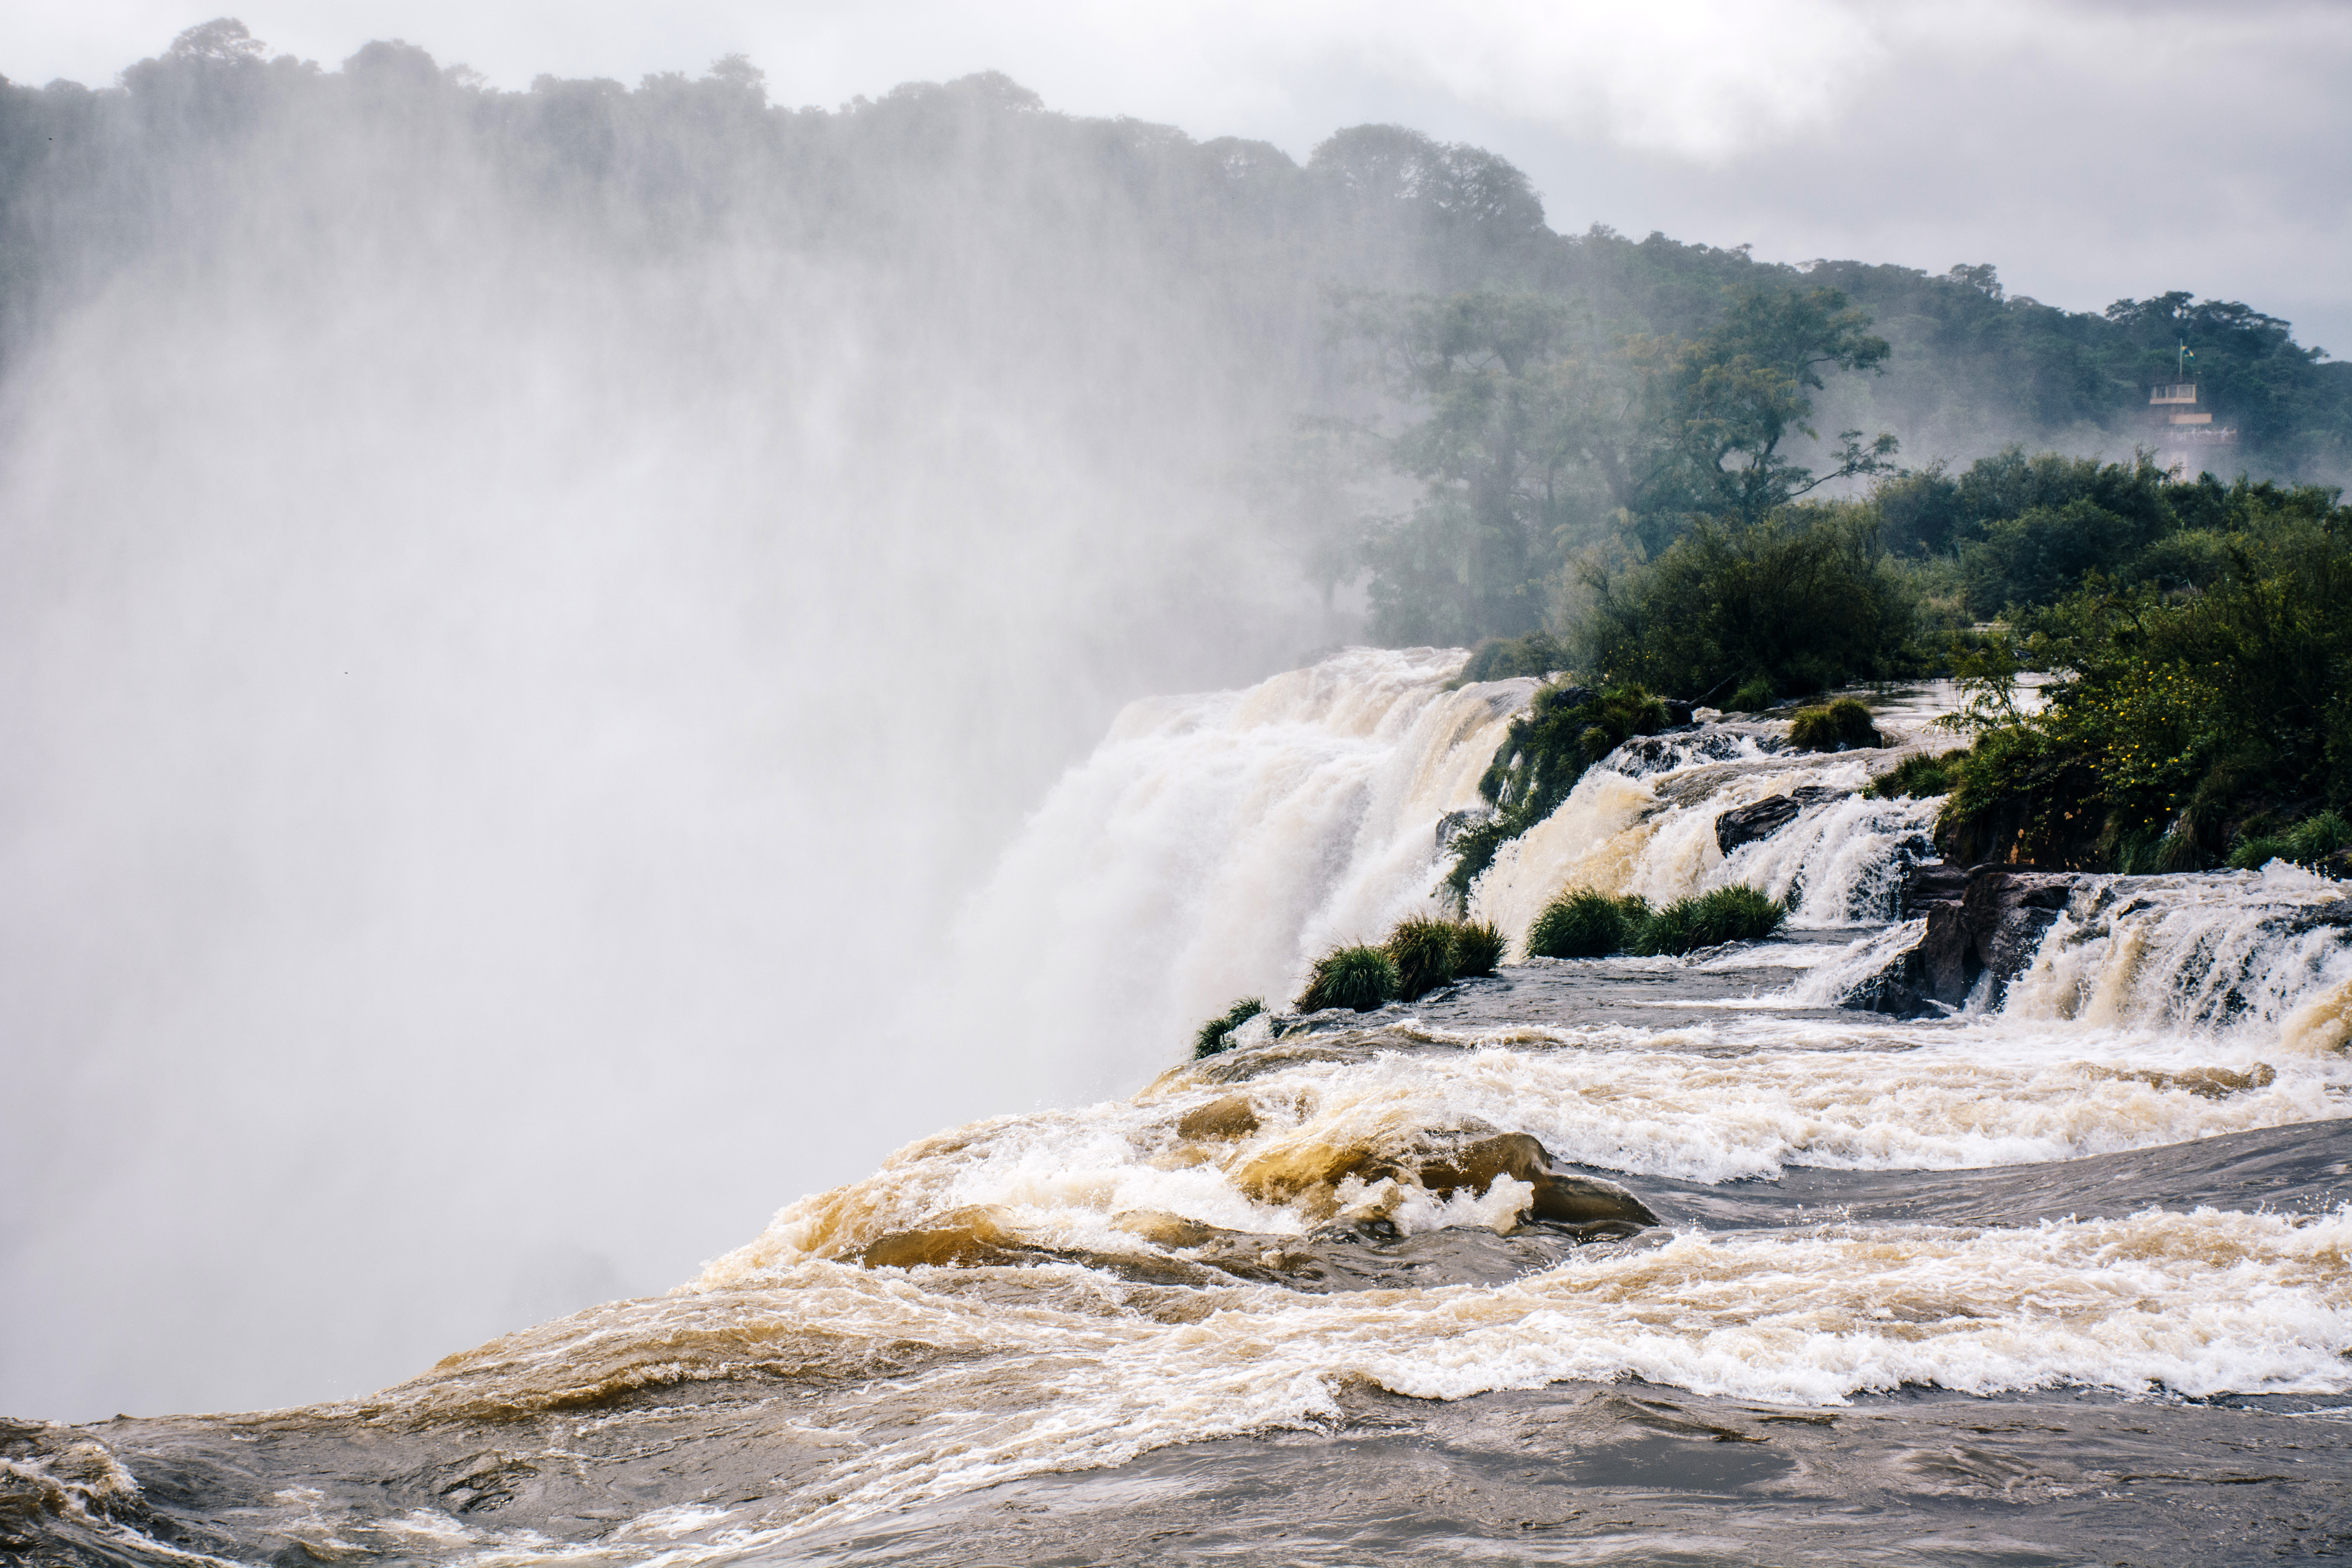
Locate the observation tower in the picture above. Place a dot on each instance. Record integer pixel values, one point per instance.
(2186, 439)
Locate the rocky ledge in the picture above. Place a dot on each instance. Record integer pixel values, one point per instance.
(1988, 921)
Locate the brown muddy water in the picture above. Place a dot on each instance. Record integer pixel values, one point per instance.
(1626, 1260)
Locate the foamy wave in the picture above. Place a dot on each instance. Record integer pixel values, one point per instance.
(2195, 1303)
(1707, 1105)
(1213, 844)
(2242, 953)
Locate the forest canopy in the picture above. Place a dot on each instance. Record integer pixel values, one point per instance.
(1486, 427)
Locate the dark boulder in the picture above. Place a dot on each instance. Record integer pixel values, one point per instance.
(1746, 823)
(1898, 991)
(1559, 1199)
(1936, 883)
(2006, 913)
(1990, 919)
(1948, 958)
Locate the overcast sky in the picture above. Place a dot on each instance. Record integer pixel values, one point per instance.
(2090, 150)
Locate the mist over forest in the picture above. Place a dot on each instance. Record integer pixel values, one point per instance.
(528, 613)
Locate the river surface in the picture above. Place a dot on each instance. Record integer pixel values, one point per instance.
(2064, 1276)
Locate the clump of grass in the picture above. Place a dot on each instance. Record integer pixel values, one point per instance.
(2308, 843)
(1477, 947)
(2316, 838)
(1586, 924)
(1422, 950)
(1920, 776)
(1726, 915)
(1211, 1039)
(1359, 977)
(1754, 696)
(1844, 724)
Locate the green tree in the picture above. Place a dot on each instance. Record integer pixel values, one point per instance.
(1744, 388)
(1498, 378)
(1802, 601)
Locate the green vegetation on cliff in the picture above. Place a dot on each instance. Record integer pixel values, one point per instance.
(1565, 730)
(1733, 615)
(2187, 724)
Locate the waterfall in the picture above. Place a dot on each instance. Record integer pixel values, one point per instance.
(1642, 821)
(1214, 844)
(2266, 953)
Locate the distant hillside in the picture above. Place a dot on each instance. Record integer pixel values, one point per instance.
(89, 180)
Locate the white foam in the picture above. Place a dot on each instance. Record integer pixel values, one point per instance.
(2240, 954)
(2194, 1303)
(1214, 845)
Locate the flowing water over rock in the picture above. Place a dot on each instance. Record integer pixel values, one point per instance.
(1658, 1260)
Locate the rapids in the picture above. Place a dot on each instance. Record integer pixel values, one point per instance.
(2064, 1272)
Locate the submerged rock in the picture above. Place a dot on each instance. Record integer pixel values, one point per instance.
(1357, 1241)
(1559, 1199)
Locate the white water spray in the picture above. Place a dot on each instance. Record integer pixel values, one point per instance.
(1214, 844)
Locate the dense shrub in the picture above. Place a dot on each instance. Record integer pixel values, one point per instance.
(1844, 724)
(1754, 696)
(1586, 924)
(2021, 533)
(1429, 953)
(2308, 843)
(1710, 920)
(2042, 555)
(1210, 1037)
(1478, 947)
(1803, 601)
(1362, 978)
(2184, 725)
(1422, 950)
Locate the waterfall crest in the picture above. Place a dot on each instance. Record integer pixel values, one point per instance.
(1214, 844)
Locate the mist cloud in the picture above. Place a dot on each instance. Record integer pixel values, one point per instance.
(2092, 149)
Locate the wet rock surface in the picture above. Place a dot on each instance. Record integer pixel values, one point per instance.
(1763, 818)
(1988, 921)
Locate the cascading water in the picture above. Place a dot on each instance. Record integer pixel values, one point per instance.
(2011, 1275)
(1214, 844)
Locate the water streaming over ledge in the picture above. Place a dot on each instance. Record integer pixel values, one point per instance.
(2111, 1206)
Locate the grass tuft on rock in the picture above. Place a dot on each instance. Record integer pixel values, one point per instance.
(1754, 696)
(1362, 978)
(1921, 775)
(1422, 950)
(1843, 725)
(1586, 924)
(1710, 920)
(1211, 1038)
(1478, 947)
(2308, 843)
